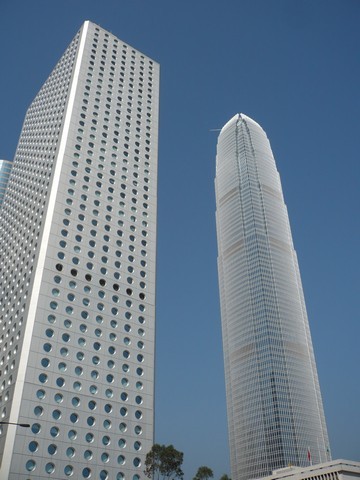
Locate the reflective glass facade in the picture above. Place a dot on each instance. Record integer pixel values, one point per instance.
(275, 412)
(77, 269)
(5, 169)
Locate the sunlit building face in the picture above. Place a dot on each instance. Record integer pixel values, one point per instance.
(275, 412)
(78, 254)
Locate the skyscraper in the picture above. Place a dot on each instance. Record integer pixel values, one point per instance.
(275, 412)
(5, 169)
(77, 272)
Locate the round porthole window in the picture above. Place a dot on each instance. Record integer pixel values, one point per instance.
(30, 465)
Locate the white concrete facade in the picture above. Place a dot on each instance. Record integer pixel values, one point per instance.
(333, 470)
(274, 406)
(77, 269)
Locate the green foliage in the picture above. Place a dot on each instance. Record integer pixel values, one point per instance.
(164, 462)
(225, 477)
(203, 473)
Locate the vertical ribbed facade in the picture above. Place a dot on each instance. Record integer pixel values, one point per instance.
(77, 269)
(5, 170)
(275, 412)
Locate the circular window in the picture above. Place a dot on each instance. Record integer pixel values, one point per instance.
(72, 434)
(40, 394)
(91, 421)
(43, 378)
(68, 470)
(86, 472)
(49, 468)
(104, 457)
(56, 414)
(93, 389)
(36, 428)
(33, 446)
(52, 449)
(74, 418)
(30, 465)
(77, 386)
(62, 367)
(109, 393)
(89, 437)
(88, 454)
(80, 356)
(70, 452)
(54, 431)
(60, 382)
(38, 411)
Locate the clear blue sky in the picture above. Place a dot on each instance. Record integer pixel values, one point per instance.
(293, 66)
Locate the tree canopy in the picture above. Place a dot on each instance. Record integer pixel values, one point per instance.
(225, 477)
(164, 462)
(203, 473)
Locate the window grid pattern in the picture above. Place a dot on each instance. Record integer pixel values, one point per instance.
(21, 219)
(5, 170)
(274, 405)
(90, 389)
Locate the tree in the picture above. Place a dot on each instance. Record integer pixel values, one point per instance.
(164, 462)
(225, 477)
(203, 473)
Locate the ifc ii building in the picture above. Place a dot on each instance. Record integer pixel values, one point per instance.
(274, 405)
(77, 269)
(5, 169)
